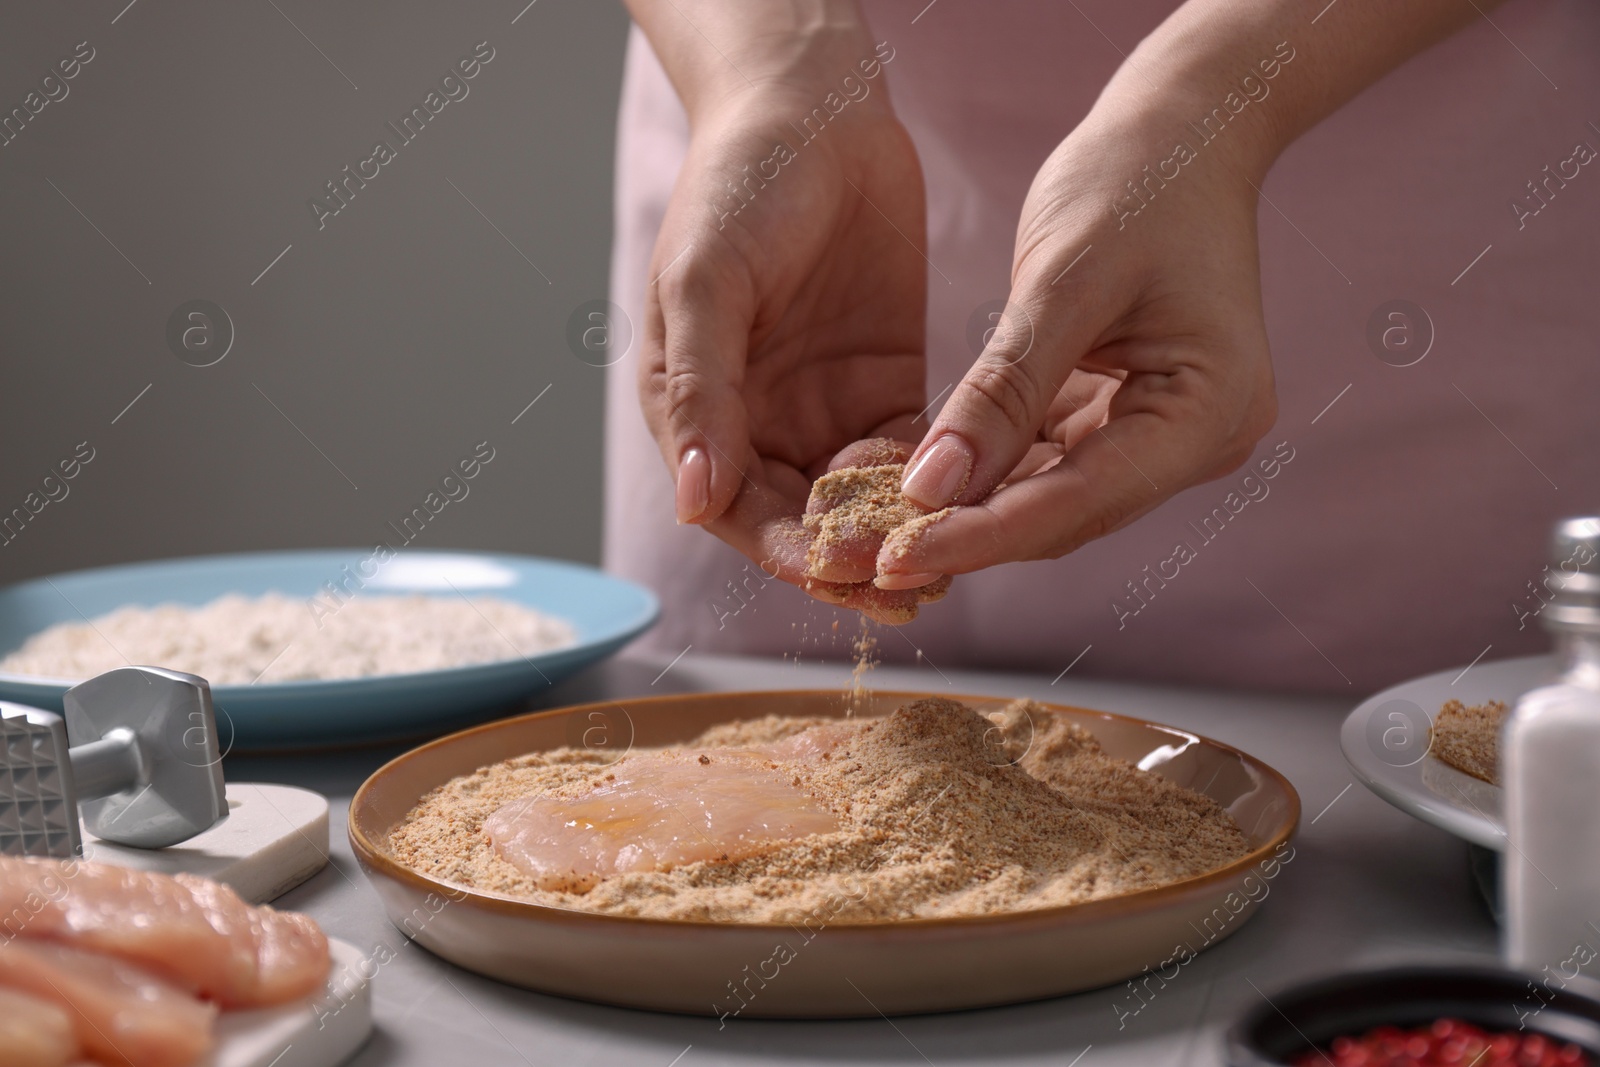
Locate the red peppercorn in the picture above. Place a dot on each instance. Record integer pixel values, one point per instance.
(1444, 1043)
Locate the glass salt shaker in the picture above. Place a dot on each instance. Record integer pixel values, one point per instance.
(1550, 767)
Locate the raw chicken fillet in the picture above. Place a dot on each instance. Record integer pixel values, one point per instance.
(120, 1013)
(661, 810)
(130, 967)
(34, 1032)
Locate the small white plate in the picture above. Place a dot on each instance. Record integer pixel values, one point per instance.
(320, 1032)
(1386, 741)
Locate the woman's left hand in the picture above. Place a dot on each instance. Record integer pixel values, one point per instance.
(1131, 361)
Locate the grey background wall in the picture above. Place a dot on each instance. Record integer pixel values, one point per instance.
(374, 352)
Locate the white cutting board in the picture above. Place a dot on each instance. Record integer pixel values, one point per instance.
(274, 838)
(320, 1032)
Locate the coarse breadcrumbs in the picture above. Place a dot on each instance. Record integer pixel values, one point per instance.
(905, 538)
(864, 506)
(1468, 738)
(944, 812)
(855, 504)
(234, 639)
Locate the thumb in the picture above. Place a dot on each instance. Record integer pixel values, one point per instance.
(995, 413)
(689, 383)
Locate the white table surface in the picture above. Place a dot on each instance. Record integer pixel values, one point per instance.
(1368, 886)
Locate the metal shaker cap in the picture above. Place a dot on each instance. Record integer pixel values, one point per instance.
(1575, 575)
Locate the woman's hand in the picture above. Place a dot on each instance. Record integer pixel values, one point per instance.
(1130, 363)
(785, 320)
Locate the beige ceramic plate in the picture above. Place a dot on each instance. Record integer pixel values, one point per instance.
(819, 969)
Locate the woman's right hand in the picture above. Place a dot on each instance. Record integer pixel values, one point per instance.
(785, 317)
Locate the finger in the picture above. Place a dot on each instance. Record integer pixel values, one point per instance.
(873, 452)
(698, 333)
(849, 552)
(764, 520)
(908, 581)
(846, 555)
(996, 411)
(1036, 459)
(895, 607)
(1081, 406)
(1113, 476)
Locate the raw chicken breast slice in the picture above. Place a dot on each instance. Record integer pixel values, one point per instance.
(34, 1032)
(121, 1014)
(290, 952)
(191, 931)
(656, 811)
(808, 746)
(129, 913)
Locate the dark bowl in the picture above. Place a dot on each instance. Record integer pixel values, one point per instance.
(1494, 998)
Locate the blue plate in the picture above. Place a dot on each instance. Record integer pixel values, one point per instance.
(606, 612)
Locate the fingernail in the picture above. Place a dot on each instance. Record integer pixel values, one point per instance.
(903, 581)
(941, 473)
(694, 485)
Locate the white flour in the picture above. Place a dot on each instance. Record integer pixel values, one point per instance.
(239, 640)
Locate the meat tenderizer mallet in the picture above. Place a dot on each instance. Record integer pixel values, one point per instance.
(135, 756)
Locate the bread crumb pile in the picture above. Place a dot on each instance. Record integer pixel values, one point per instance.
(233, 640)
(944, 812)
(1468, 738)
